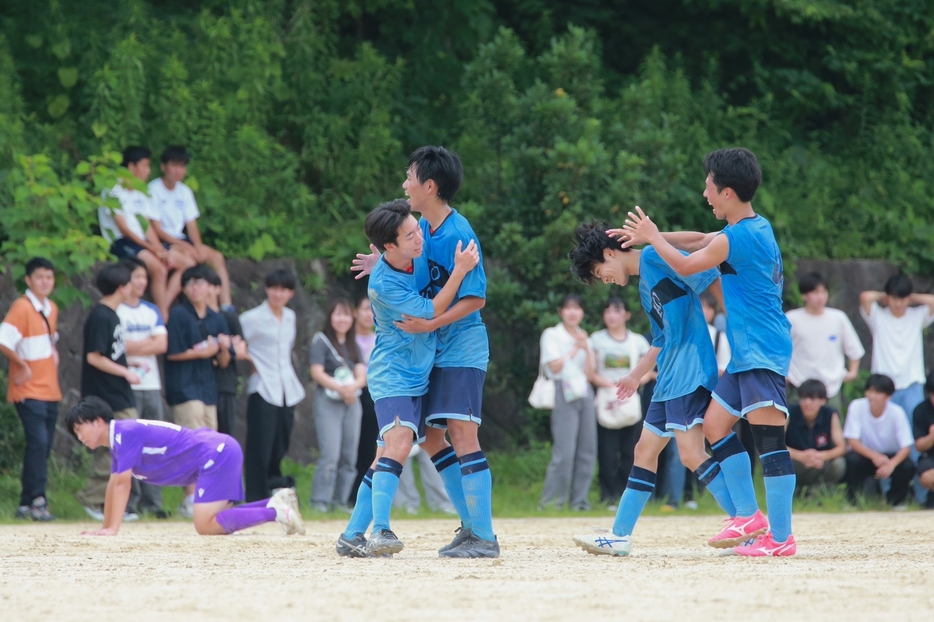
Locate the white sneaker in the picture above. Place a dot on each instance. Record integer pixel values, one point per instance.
(187, 508)
(94, 513)
(604, 542)
(130, 517)
(691, 505)
(285, 503)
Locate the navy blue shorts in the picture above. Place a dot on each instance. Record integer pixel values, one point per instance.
(409, 410)
(124, 247)
(746, 391)
(454, 393)
(677, 415)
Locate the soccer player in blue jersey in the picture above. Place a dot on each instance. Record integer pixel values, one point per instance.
(760, 339)
(687, 372)
(399, 366)
(455, 390)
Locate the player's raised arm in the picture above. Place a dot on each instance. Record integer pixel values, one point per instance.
(364, 263)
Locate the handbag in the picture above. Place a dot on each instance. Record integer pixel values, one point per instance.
(343, 374)
(543, 392)
(613, 413)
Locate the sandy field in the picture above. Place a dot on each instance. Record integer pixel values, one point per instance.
(862, 566)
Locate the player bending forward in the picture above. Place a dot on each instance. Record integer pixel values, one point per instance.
(165, 454)
(687, 372)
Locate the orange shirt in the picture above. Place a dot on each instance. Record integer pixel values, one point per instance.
(25, 331)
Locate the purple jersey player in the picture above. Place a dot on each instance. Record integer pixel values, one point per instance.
(165, 454)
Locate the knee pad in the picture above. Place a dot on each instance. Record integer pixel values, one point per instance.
(768, 438)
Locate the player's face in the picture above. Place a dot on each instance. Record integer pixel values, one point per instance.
(89, 433)
(174, 171)
(897, 306)
(415, 190)
(611, 270)
(364, 315)
(571, 314)
(810, 406)
(141, 169)
(816, 299)
(615, 316)
(341, 319)
(278, 297)
(139, 280)
(409, 240)
(41, 282)
(877, 401)
(196, 290)
(714, 197)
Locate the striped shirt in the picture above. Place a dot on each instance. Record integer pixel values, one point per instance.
(29, 329)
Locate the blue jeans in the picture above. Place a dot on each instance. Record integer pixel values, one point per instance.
(39, 419)
(909, 398)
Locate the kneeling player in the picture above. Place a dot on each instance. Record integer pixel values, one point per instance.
(687, 371)
(165, 454)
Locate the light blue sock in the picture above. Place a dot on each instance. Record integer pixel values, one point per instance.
(638, 490)
(449, 469)
(737, 473)
(478, 493)
(385, 484)
(362, 514)
(779, 473)
(711, 475)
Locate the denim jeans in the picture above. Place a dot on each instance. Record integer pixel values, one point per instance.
(39, 419)
(909, 398)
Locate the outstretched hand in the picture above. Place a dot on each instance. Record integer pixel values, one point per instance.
(638, 229)
(364, 264)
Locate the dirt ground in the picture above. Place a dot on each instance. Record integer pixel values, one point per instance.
(863, 566)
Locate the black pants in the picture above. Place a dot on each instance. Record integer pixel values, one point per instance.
(226, 412)
(39, 419)
(860, 469)
(615, 454)
(268, 429)
(366, 448)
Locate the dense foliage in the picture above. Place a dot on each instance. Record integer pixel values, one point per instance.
(300, 115)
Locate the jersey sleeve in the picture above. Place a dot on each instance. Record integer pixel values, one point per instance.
(702, 280)
(474, 284)
(126, 450)
(404, 300)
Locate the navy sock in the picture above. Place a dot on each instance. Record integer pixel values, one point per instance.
(362, 514)
(711, 475)
(735, 465)
(638, 490)
(478, 493)
(385, 484)
(779, 473)
(449, 469)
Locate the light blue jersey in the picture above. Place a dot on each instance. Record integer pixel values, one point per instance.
(687, 360)
(400, 362)
(463, 343)
(753, 277)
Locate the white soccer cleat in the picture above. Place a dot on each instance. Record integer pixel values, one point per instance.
(604, 542)
(285, 503)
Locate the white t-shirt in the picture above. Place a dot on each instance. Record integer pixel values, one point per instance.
(132, 203)
(722, 349)
(142, 322)
(818, 346)
(175, 208)
(897, 343)
(555, 343)
(615, 358)
(886, 434)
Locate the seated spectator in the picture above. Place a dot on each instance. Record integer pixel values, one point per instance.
(880, 442)
(814, 438)
(130, 232)
(924, 438)
(176, 214)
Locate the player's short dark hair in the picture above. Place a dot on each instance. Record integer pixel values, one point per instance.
(571, 299)
(899, 286)
(616, 301)
(175, 153)
(383, 223)
(135, 153)
(809, 282)
(282, 278)
(442, 166)
(88, 409)
(36, 263)
(200, 271)
(735, 168)
(132, 263)
(880, 383)
(213, 278)
(591, 240)
(112, 277)
(812, 388)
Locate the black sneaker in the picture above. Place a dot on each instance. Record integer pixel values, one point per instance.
(382, 542)
(155, 513)
(461, 534)
(352, 547)
(474, 548)
(40, 510)
(24, 512)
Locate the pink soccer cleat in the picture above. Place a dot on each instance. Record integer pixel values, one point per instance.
(740, 529)
(766, 546)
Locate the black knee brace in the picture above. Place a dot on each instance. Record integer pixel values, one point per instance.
(769, 438)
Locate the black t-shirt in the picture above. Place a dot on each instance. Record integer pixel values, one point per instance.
(923, 419)
(103, 333)
(799, 436)
(227, 376)
(192, 380)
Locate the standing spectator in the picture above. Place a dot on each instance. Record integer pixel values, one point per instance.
(28, 336)
(924, 439)
(198, 340)
(146, 337)
(898, 343)
(124, 229)
(176, 215)
(274, 388)
(880, 441)
(105, 373)
(820, 337)
(227, 377)
(721, 343)
(369, 428)
(616, 351)
(814, 438)
(338, 370)
(407, 496)
(567, 358)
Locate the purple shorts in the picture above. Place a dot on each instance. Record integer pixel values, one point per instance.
(220, 478)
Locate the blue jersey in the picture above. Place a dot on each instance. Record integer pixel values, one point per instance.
(400, 362)
(463, 343)
(687, 360)
(753, 277)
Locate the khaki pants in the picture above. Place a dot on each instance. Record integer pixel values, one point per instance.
(195, 415)
(95, 490)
